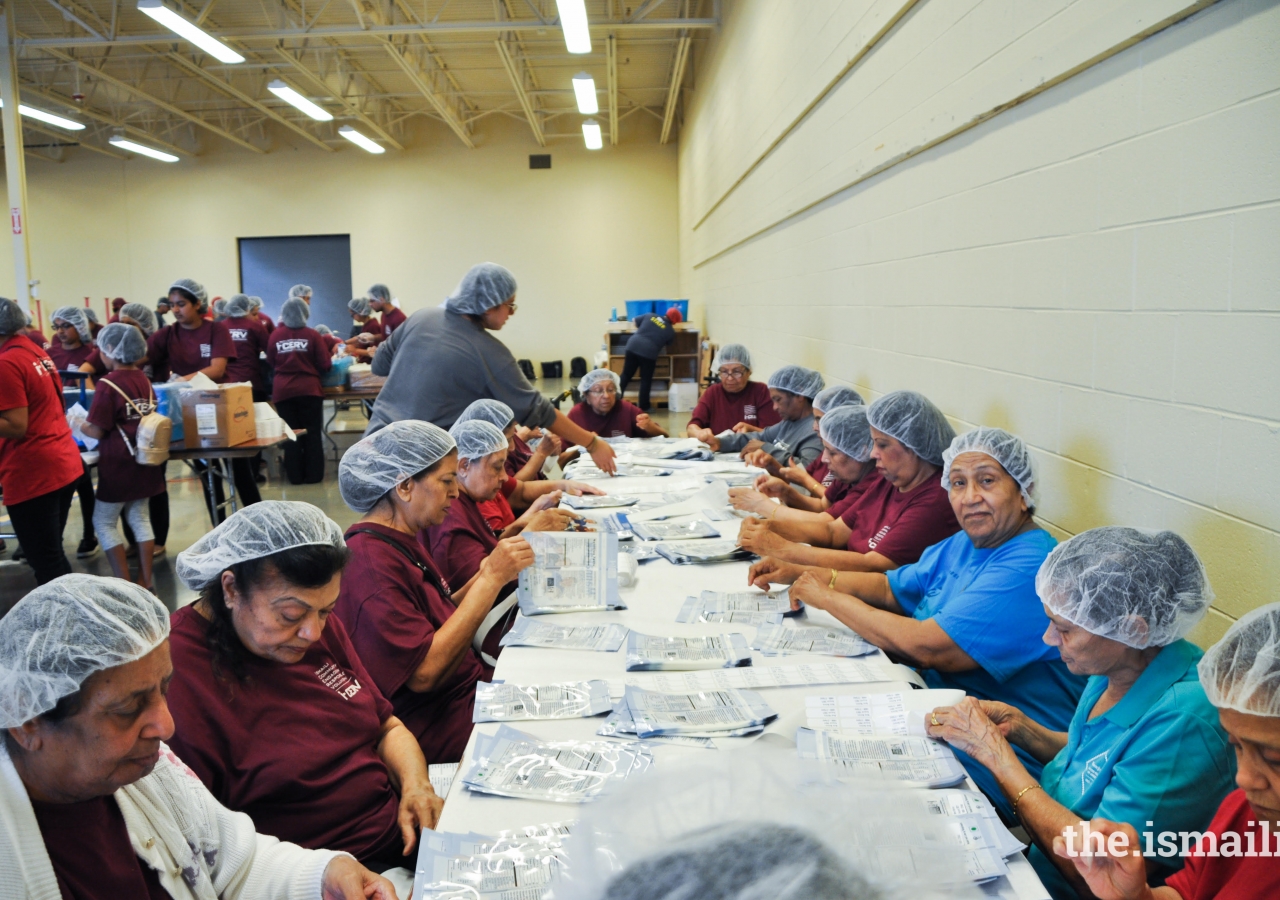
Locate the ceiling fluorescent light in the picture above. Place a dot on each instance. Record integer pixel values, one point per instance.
(293, 98)
(591, 134)
(125, 144)
(48, 118)
(360, 140)
(584, 88)
(181, 27)
(573, 20)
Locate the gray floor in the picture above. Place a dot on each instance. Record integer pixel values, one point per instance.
(190, 520)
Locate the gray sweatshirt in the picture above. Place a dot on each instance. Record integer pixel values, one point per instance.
(785, 439)
(438, 362)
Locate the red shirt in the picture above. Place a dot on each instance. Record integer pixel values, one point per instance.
(250, 337)
(719, 410)
(46, 458)
(899, 525)
(185, 351)
(373, 327)
(299, 357)
(1232, 877)
(120, 477)
(392, 319)
(392, 609)
(331, 341)
(265, 319)
(69, 360)
(620, 422)
(295, 747)
(498, 512)
(92, 857)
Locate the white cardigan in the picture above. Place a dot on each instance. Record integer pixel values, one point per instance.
(199, 848)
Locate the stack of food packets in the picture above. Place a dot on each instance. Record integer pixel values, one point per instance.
(976, 816)
(598, 501)
(743, 607)
(531, 633)
(672, 531)
(703, 714)
(652, 653)
(919, 761)
(781, 640)
(512, 866)
(571, 572)
(511, 763)
(685, 553)
(501, 702)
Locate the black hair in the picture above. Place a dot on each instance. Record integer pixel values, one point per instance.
(191, 298)
(308, 566)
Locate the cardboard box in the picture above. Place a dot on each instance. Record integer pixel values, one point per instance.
(222, 417)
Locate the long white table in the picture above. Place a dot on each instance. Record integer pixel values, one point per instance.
(652, 605)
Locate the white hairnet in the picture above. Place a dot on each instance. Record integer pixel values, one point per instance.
(1242, 671)
(192, 288)
(477, 439)
(239, 306)
(62, 632)
(298, 291)
(90, 315)
(258, 530)
(360, 306)
(255, 302)
(797, 380)
(220, 308)
(1005, 448)
(595, 376)
(835, 397)
(377, 463)
(74, 316)
(913, 421)
(295, 313)
(487, 285)
(380, 292)
(1141, 588)
(323, 329)
(123, 343)
(12, 318)
(493, 411)
(758, 830)
(846, 429)
(140, 313)
(732, 353)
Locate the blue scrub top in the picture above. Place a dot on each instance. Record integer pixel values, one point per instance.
(985, 600)
(1159, 755)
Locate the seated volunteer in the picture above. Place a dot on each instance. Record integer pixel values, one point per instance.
(1144, 745)
(389, 315)
(366, 331)
(441, 360)
(813, 479)
(734, 400)
(602, 410)
(40, 464)
(299, 358)
(416, 632)
(895, 517)
(967, 612)
(791, 389)
(250, 338)
(72, 344)
(1241, 677)
(125, 486)
(96, 806)
(271, 704)
(643, 348)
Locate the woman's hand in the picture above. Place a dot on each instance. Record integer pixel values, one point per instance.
(967, 727)
(795, 473)
(546, 501)
(346, 879)
(550, 445)
(578, 488)
(751, 501)
(811, 590)
(771, 486)
(754, 535)
(603, 456)
(644, 423)
(551, 520)
(1111, 876)
(420, 808)
(762, 460)
(773, 571)
(507, 560)
(744, 428)
(752, 447)
(706, 435)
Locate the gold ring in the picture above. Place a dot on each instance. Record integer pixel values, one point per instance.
(936, 723)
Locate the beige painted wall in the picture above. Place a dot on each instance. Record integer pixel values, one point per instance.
(1096, 267)
(596, 229)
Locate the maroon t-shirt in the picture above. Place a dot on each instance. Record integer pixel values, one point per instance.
(1222, 877)
(250, 337)
(837, 490)
(265, 319)
(719, 410)
(392, 609)
(620, 422)
(47, 457)
(69, 360)
(330, 342)
(897, 524)
(92, 857)
(120, 477)
(185, 351)
(295, 747)
(299, 357)
(392, 319)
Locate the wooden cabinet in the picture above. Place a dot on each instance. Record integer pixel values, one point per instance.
(681, 362)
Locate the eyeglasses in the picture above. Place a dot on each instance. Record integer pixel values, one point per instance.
(511, 305)
(62, 326)
(734, 373)
(603, 391)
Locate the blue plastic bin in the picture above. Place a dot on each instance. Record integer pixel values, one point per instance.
(169, 403)
(656, 307)
(337, 375)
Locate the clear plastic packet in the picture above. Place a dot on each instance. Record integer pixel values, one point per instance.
(502, 702)
(530, 633)
(511, 763)
(685, 553)
(620, 724)
(746, 607)
(572, 572)
(781, 640)
(701, 713)
(656, 653)
(673, 531)
(921, 762)
(596, 501)
(512, 866)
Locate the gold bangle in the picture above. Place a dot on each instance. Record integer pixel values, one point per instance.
(834, 574)
(1021, 792)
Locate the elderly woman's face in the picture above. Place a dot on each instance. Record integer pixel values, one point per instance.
(278, 620)
(899, 465)
(1256, 740)
(987, 502)
(791, 407)
(1083, 652)
(426, 501)
(482, 478)
(734, 377)
(846, 468)
(602, 397)
(112, 741)
(495, 318)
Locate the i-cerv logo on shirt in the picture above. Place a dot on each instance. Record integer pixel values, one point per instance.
(239, 334)
(879, 536)
(44, 367)
(292, 346)
(331, 675)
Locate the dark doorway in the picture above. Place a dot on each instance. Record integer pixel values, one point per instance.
(269, 266)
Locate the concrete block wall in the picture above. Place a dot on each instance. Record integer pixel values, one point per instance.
(1094, 265)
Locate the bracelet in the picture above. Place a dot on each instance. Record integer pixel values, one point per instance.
(1023, 791)
(834, 574)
